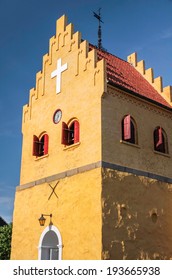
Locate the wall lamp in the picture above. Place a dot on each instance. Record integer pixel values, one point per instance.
(42, 220)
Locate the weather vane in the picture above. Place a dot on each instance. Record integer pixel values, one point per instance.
(98, 16)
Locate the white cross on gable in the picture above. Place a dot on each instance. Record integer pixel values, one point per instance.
(57, 73)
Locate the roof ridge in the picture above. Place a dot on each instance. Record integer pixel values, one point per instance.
(123, 73)
(2, 220)
(148, 74)
(107, 52)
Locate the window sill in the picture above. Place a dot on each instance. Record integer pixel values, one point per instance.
(71, 146)
(161, 154)
(44, 156)
(130, 144)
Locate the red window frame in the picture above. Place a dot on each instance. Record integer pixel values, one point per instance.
(40, 145)
(71, 133)
(127, 128)
(129, 131)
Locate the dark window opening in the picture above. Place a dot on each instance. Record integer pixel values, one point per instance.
(160, 140)
(70, 135)
(40, 146)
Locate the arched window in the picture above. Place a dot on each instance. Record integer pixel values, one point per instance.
(50, 244)
(160, 140)
(40, 145)
(70, 133)
(129, 130)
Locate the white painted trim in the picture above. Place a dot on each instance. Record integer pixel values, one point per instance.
(60, 246)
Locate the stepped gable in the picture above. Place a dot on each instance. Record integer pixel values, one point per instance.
(123, 74)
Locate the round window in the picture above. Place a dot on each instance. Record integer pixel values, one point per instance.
(57, 116)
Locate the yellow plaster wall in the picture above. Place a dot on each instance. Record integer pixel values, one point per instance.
(83, 83)
(115, 105)
(76, 213)
(137, 215)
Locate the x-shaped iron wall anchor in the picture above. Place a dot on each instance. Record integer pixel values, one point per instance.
(53, 190)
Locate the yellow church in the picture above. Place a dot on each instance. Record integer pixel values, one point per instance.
(96, 168)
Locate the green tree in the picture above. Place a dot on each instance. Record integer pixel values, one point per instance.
(5, 242)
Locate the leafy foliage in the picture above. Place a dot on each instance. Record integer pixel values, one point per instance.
(5, 242)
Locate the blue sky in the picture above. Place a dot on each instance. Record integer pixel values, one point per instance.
(144, 26)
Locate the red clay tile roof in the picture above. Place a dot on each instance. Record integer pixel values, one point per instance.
(123, 74)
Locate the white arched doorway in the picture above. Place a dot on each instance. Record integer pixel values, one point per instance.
(50, 244)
